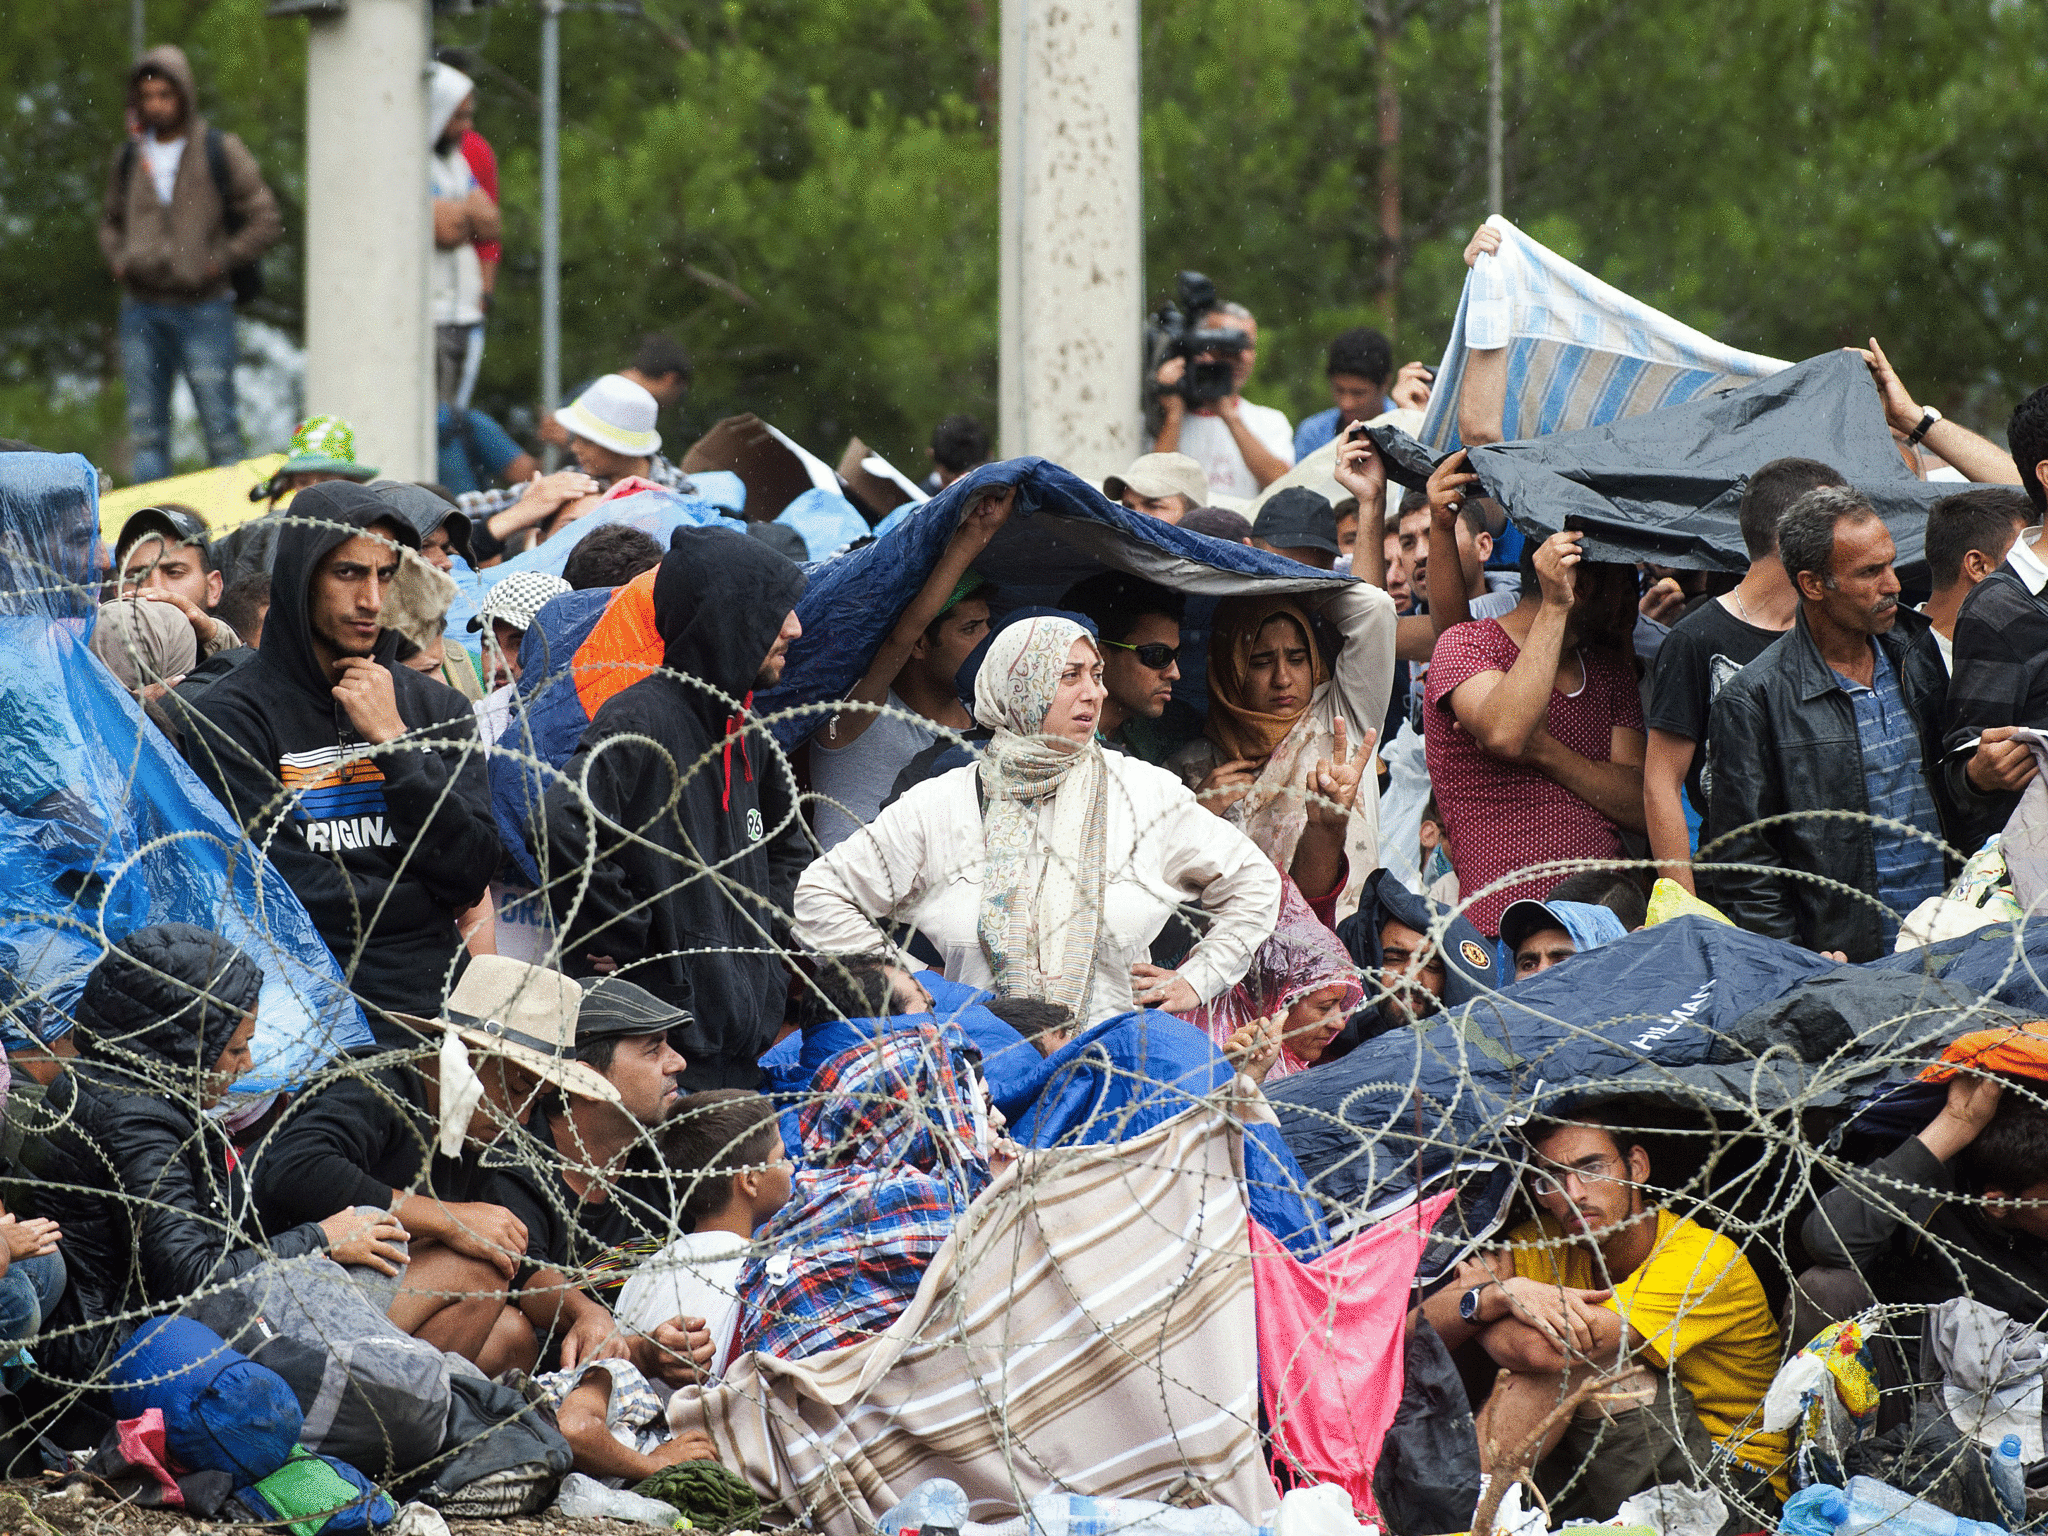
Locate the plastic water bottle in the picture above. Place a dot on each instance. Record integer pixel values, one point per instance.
(935, 1503)
(1879, 1507)
(2010, 1479)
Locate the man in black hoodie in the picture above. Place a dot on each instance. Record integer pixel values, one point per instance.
(688, 881)
(360, 779)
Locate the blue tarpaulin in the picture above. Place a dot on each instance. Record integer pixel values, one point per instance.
(103, 829)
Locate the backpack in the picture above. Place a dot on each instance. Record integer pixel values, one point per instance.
(247, 280)
(222, 1411)
(372, 1396)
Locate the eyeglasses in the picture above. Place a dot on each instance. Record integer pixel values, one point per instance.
(1155, 656)
(1587, 1169)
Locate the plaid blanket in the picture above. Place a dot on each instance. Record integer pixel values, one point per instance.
(1580, 353)
(1088, 1325)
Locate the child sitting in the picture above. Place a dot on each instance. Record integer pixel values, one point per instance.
(728, 1144)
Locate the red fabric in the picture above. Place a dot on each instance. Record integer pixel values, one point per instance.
(1501, 817)
(1331, 1336)
(142, 1446)
(483, 165)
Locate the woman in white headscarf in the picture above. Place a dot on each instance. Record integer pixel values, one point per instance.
(1046, 869)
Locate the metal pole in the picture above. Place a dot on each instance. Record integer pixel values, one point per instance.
(1495, 134)
(550, 209)
(138, 34)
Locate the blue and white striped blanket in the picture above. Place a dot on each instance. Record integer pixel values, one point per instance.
(1580, 352)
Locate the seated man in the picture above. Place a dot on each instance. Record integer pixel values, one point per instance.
(386, 844)
(1603, 1283)
(1426, 957)
(166, 555)
(1138, 622)
(1898, 1228)
(1535, 935)
(582, 1177)
(474, 1284)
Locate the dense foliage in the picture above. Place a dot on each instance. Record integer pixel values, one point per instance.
(803, 191)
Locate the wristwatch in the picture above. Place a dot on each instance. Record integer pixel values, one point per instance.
(1926, 422)
(1468, 1304)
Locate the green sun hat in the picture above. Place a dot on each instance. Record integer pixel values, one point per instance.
(325, 444)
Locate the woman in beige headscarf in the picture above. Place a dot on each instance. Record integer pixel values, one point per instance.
(1046, 869)
(148, 647)
(1289, 738)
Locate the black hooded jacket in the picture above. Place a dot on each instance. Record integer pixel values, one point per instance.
(385, 846)
(152, 1206)
(698, 845)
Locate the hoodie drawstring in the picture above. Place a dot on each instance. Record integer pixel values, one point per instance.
(732, 725)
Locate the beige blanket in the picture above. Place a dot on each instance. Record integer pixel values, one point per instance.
(1088, 1326)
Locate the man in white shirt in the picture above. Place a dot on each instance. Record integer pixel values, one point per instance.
(463, 214)
(1242, 447)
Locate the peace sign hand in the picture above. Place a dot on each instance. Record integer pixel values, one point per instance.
(1333, 783)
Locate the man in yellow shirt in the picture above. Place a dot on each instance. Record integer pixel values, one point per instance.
(1604, 1278)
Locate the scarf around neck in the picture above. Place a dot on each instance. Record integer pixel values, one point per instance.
(1041, 894)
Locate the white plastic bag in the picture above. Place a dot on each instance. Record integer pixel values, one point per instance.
(1324, 1510)
(585, 1498)
(1672, 1509)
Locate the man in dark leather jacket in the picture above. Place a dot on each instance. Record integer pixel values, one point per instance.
(1841, 714)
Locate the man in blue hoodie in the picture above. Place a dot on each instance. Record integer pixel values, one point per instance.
(361, 779)
(669, 846)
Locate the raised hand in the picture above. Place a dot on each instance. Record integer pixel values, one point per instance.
(1333, 781)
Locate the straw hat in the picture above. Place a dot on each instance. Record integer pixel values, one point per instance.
(526, 1013)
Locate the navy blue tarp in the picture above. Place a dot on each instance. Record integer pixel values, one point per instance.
(1691, 1012)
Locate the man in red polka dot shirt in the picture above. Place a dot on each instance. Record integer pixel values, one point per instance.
(1534, 726)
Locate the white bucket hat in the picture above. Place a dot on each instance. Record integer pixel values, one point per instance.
(615, 413)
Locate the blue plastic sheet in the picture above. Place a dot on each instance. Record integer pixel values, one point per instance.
(103, 829)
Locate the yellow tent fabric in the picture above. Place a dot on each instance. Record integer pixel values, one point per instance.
(220, 495)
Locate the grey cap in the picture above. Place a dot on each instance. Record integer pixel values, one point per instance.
(616, 1009)
(1298, 518)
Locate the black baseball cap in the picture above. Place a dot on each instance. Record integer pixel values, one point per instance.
(616, 1009)
(172, 523)
(1298, 518)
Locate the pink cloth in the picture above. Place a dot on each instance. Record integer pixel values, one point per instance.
(1301, 957)
(483, 165)
(1331, 1341)
(141, 1440)
(1500, 816)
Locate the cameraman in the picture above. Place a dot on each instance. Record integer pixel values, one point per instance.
(1242, 447)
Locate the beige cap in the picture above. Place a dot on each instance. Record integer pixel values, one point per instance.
(1154, 475)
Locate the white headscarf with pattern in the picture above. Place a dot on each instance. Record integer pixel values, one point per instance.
(1041, 890)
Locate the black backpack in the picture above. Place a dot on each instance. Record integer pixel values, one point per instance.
(247, 280)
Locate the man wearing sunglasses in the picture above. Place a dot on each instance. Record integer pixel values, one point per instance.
(1604, 1281)
(1139, 625)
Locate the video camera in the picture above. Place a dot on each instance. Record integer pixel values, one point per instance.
(1183, 329)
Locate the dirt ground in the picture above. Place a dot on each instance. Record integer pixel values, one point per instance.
(29, 1509)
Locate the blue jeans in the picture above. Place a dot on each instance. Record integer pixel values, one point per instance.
(161, 341)
(28, 1294)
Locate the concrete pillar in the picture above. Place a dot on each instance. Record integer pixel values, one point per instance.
(1072, 251)
(369, 345)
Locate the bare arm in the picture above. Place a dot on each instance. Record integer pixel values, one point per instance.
(1978, 458)
(1526, 1347)
(1667, 759)
(1483, 392)
(1171, 407)
(451, 222)
(1266, 465)
(970, 537)
(1449, 485)
(1613, 788)
(1360, 472)
(484, 222)
(1506, 711)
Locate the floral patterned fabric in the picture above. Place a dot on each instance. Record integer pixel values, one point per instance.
(1041, 893)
